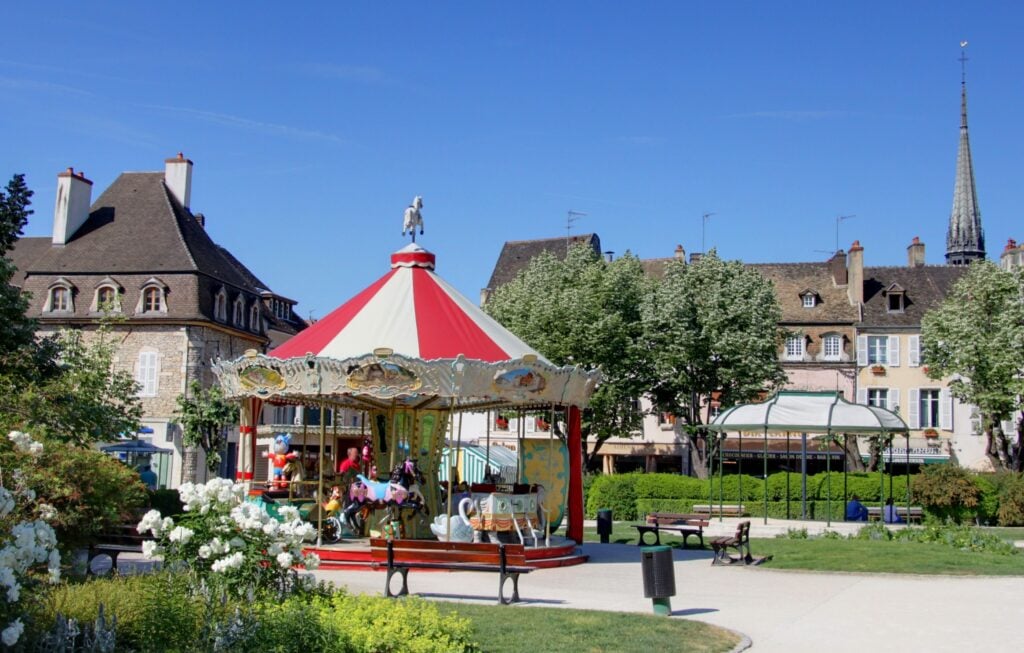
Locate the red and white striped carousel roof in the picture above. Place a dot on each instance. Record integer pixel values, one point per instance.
(413, 312)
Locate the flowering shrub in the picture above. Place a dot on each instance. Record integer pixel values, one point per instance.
(228, 543)
(28, 542)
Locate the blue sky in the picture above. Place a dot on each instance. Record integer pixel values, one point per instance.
(312, 128)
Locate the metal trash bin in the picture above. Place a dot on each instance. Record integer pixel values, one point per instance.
(657, 567)
(604, 524)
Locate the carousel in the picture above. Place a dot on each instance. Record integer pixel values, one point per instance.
(412, 356)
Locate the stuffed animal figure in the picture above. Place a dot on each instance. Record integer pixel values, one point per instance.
(279, 457)
(334, 503)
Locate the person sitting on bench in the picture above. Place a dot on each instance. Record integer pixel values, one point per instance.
(855, 510)
(889, 513)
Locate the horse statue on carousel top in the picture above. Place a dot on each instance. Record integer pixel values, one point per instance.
(400, 491)
(413, 218)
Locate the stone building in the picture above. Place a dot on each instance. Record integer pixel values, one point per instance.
(142, 256)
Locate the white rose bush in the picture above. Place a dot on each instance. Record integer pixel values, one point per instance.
(28, 544)
(228, 543)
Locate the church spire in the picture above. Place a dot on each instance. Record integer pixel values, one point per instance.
(965, 240)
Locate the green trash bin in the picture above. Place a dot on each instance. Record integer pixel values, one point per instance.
(657, 567)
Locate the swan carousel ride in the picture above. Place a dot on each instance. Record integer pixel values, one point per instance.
(410, 352)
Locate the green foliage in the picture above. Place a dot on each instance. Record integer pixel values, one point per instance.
(204, 415)
(947, 492)
(585, 311)
(1011, 501)
(976, 336)
(713, 328)
(670, 486)
(616, 492)
(161, 612)
(16, 332)
(90, 490)
(736, 488)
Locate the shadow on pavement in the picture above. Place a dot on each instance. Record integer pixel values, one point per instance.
(484, 599)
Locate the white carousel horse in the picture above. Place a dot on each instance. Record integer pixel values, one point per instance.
(413, 218)
(461, 529)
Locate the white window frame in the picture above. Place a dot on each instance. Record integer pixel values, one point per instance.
(97, 303)
(161, 294)
(220, 305)
(925, 419)
(914, 351)
(147, 373)
(792, 353)
(880, 398)
(877, 350)
(238, 317)
(838, 341)
(64, 288)
(809, 300)
(888, 302)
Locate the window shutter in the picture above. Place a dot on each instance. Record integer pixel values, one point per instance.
(862, 396)
(914, 408)
(894, 351)
(894, 400)
(146, 375)
(862, 350)
(945, 410)
(914, 355)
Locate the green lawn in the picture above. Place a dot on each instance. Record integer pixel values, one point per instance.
(862, 555)
(1012, 533)
(510, 629)
(884, 557)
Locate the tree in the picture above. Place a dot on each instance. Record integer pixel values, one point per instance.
(712, 330)
(585, 311)
(204, 415)
(976, 336)
(16, 332)
(62, 388)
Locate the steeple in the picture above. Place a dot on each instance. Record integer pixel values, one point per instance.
(965, 240)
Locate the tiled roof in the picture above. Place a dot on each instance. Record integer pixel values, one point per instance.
(792, 279)
(925, 287)
(517, 254)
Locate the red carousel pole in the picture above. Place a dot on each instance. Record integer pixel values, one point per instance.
(575, 446)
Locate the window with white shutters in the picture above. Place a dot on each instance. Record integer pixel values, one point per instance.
(147, 374)
(945, 410)
(894, 351)
(878, 350)
(914, 353)
(878, 397)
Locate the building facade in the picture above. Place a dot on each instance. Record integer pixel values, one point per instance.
(141, 259)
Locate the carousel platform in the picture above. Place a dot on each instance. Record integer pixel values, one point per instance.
(354, 554)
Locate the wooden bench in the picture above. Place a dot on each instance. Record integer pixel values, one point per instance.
(684, 524)
(399, 556)
(120, 539)
(740, 542)
(911, 515)
(725, 510)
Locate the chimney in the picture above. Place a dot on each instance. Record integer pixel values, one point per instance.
(695, 257)
(915, 253)
(1011, 245)
(680, 253)
(178, 178)
(837, 266)
(74, 195)
(201, 219)
(855, 274)
(609, 256)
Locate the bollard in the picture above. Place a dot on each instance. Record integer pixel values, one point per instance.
(604, 524)
(656, 564)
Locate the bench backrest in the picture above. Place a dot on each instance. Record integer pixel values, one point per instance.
(435, 551)
(666, 518)
(743, 531)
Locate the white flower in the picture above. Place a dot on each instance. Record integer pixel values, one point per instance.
(53, 568)
(12, 632)
(205, 551)
(151, 521)
(47, 512)
(284, 559)
(7, 503)
(226, 563)
(150, 549)
(181, 534)
(311, 561)
(271, 527)
(288, 513)
(24, 443)
(13, 593)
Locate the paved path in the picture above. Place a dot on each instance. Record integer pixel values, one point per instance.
(778, 610)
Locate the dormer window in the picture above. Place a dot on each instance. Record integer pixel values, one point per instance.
(153, 298)
(107, 298)
(60, 298)
(239, 312)
(895, 298)
(254, 317)
(220, 306)
(809, 298)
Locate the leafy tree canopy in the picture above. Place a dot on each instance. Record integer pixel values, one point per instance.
(711, 328)
(204, 414)
(585, 311)
(977, 336)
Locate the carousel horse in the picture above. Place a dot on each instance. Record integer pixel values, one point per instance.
(413, 218)
(401, 490)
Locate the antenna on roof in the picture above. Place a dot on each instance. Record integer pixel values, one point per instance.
(840, 218)
(703, 226)
(572, 216)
